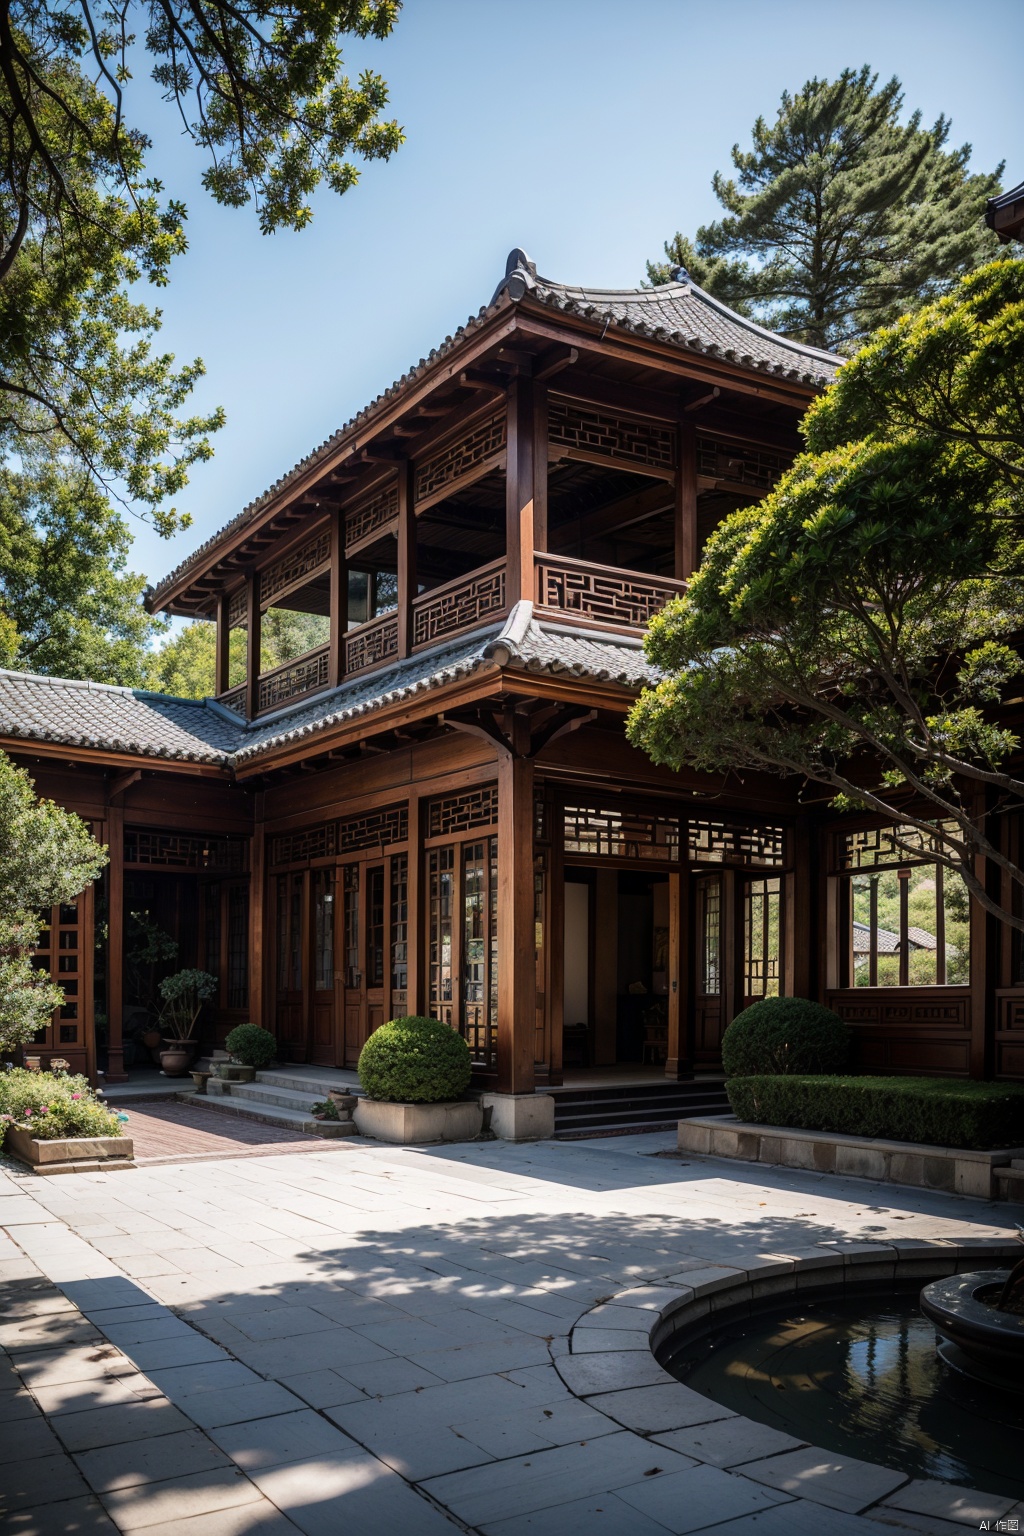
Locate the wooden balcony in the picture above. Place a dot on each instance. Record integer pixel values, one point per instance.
(574, 591)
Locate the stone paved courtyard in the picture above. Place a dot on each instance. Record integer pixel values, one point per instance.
(367, 1339)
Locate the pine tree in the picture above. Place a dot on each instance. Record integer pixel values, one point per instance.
(840, 218)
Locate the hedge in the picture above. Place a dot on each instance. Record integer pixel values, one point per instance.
(415, 1061)
(936, 1111)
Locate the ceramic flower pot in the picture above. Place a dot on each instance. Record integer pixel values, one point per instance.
(176, 1057)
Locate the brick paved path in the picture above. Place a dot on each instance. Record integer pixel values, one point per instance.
(178, 1133)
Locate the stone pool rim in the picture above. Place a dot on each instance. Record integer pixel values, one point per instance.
(613, 1365)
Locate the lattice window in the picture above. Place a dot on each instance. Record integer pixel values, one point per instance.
(461, 606)
(450, 814)
(741, 464)
(306, 675)
(593, 431)
(618, 833)
(291, 570)
(177, 850)
(234, 700)
(726, 842)
(482, 442)
(365, 518)
(873, 847)
(319, 842)
(238, 607)
(375, 829)
(607, 597)
(372, 643)
(762, 938)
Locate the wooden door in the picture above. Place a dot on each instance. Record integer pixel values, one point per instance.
(708, 969)
(289, 981)
(352, 963)
(321, 1023)
(375, 949)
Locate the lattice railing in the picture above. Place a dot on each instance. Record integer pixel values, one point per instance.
(234, 699)
(238, 607)
(367, 517)
(482, 443)
(372, 643)
(602, 593)
(740, 464)
(588, 431)
(306, 674)
(294, 569)
(459, 604)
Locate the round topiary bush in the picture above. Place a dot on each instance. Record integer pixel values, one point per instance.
(415, 1061)
(251, 1046)
(783, 1035)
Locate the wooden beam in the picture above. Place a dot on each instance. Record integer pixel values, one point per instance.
(406, 535)
(115, 946)
(517, 979)
(472, 378)
(124, 781)
(252, 645)
(520, 531)
(222, 662)
(685, 532)
(702, 400)
(554, 360)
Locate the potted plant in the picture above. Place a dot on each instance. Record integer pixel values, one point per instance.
(414, 1073)
(184, 994)
(251, 1048)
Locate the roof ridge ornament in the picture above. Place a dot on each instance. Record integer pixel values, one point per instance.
(520, 276)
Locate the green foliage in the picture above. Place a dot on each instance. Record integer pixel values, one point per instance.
(251, 1046)
(70, 606)
(856, 626)
(184, 994)
(325, 1109)
(783, 1035)
(187, 665)
(52, 1106)
(415, 1061)
(937, 1111)
(47, 856)
(840, 217)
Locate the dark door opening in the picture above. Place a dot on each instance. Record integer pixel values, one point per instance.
(616, 976)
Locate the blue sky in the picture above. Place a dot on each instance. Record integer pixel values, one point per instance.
(586, 131)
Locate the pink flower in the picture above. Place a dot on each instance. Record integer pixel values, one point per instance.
(76, 1095)
(27, 1113)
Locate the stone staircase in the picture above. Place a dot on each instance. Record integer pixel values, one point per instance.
(1010, 1181)
(628, 1110)
(282, 1096)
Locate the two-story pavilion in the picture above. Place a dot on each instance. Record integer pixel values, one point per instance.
(434, 809)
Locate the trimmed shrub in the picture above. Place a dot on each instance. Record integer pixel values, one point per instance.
(785, 1035)
(937, 1111)
(52, 1106)
(415, 1061)
(251, 1046)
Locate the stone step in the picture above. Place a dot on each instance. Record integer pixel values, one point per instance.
(267, 1093)
(311, 1080)
(275, 1114)
(1010, 1181)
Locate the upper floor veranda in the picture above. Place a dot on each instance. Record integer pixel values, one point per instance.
(570, 447)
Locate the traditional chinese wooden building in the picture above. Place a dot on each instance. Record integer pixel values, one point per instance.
(434, 808)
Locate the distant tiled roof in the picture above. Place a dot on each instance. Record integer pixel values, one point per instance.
(197, 730)
(887, 942)
(680, 314)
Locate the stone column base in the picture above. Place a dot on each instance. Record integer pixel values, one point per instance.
(521, 1116)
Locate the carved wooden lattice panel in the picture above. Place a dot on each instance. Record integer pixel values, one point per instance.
(234, 699)
(723, 842)
(742, 464)
(372, 643)
(600, 432)
(604, 595)
(483, 441)
(451, 814)
(377, 512)
(177, 850)
(375, 829)
(306, 675)
(619, 833)
(238, 607)
(294, 568)
(872, 847)
(460, 605)
(319, 842)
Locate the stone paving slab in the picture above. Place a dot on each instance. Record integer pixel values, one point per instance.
(376, 1339)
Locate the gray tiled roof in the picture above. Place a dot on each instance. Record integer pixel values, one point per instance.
(196, 730)
(680, 314)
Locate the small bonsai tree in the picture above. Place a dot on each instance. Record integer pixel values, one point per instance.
(415, 1061)
(184, 994)
(252, 1046)
(783, 1035)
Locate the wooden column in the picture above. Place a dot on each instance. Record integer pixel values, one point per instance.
(520, 507)
(686, 553)
(223, 654)
(802, 909)
(517, 974)
(679, 1059)
(115, 946)
(252, 645)
(257, 914)
(416, 1000)
(338, 600)
(406, 557)
(556, 956)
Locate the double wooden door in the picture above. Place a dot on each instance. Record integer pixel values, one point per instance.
(739, 923)
(305, 986)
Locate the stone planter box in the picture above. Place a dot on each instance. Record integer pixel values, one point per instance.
(415, 1124)
(78, 1154)
(955, 1169)
(233, 1072)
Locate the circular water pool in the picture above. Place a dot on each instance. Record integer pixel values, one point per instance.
(859, 1375)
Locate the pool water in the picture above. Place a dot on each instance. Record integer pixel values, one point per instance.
(861, 1377)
